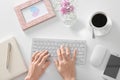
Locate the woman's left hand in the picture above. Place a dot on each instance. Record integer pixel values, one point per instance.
(38, 65)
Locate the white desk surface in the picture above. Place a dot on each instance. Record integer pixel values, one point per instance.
(55, 28)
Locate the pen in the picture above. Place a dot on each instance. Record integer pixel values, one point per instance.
(8, 55)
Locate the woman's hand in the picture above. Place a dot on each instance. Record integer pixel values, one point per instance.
(38, 66)
(66, 63)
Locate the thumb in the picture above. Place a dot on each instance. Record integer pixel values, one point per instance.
(56, 63)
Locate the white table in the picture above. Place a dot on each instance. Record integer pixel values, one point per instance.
(55, 28)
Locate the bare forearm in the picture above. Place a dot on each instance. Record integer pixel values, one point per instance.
(30, 78)
(70, 79)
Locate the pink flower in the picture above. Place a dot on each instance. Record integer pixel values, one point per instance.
(63, 10)
(66, 7)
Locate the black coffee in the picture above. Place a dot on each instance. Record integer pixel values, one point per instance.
(99, 20)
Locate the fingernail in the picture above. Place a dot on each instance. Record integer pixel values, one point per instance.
(62, 46)
(49, 55)
(76, 49)
(45, 50)
(36, 51)
(42, 50)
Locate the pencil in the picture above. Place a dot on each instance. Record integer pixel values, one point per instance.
(8, 55)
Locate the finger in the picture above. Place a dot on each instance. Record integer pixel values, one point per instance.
(67, 52)
(56, 63)
(63, 52)
(59, 54)
(74, 54)
(37, 56)
(44, 59)
(45, 66)
(42, 55)
(33, 56)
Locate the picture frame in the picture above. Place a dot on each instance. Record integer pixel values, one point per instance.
(34, 12)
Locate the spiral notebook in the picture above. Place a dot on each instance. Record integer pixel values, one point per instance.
(11, 61)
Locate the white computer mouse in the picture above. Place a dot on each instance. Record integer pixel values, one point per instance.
(98, 55)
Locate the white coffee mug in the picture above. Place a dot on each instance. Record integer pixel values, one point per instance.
(100, 31)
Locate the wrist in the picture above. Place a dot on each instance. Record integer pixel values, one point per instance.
(30, 78)
(69, 79)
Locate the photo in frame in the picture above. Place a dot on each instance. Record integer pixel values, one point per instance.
(34, 12)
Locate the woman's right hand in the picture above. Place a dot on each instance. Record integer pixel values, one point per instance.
(65, 63)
